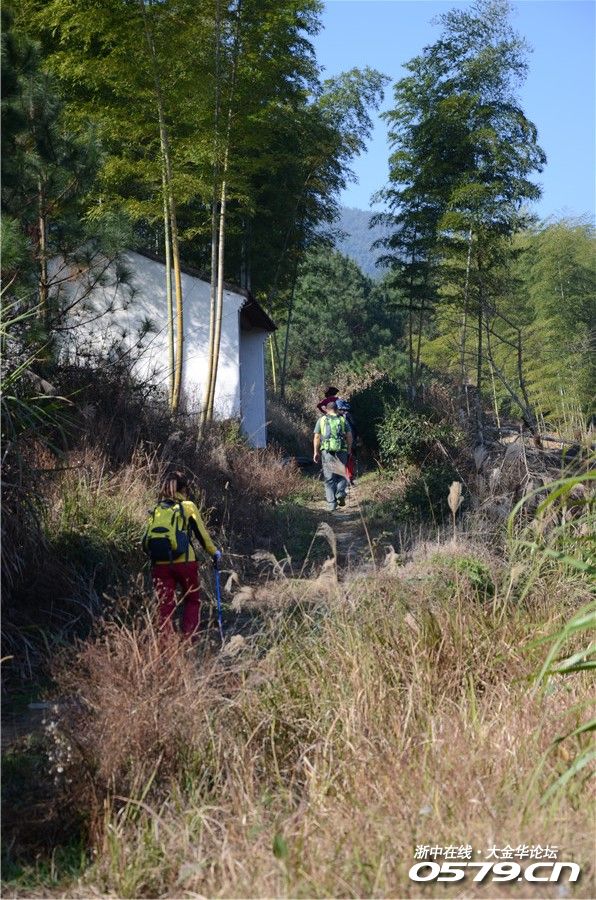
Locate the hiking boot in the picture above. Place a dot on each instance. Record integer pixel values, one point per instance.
(331, 507)
(341, 501)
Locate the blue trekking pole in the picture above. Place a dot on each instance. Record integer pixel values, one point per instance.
(216, 559)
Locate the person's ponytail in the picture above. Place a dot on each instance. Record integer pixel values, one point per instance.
(173, 483)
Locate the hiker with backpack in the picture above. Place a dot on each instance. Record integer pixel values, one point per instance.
(332, 444)
(344, 409)
(167, 541)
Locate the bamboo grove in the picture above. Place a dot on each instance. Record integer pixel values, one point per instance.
(205, 133)
(463, 249)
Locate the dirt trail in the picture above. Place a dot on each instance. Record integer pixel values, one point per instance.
(347, 524)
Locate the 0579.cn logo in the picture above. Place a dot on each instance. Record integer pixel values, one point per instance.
(498, 871)
(499, 864)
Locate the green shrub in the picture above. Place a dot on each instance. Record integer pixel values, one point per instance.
(405, 435)
(231, 433)
(96, 522)
(477, 573)
(368, 409)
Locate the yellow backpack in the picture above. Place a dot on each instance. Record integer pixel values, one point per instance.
(166, 536)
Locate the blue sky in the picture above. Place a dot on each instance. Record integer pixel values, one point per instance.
(559, 95)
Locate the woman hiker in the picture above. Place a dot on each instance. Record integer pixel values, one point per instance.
(168, 542)
(333, 442)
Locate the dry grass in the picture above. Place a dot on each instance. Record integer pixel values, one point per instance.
(264, 476)
(133, 701)
(357, 726)
(310, 758)
(80, 536)
(291, 426)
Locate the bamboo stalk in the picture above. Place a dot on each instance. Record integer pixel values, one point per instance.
(273, 369)
(169, 303)
(214, 361)
(464, 323)
(167, 171)
(214, 234)
(219, 294)
(43, 258)
(284, 365)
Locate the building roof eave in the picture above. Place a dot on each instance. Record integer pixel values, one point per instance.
(253, 315)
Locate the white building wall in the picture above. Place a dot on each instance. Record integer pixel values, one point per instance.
(252, 386)
(143, 300)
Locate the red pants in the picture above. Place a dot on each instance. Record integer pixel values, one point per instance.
(165, 580)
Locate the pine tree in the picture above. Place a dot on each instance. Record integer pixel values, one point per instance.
(342, 319)
(48, 175)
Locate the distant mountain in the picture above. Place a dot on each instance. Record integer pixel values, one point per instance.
(359, 238)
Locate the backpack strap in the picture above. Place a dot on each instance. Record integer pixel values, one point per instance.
(185, 525)
(186, 528)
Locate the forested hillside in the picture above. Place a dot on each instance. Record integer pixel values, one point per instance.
(371, 650)
(357, 238)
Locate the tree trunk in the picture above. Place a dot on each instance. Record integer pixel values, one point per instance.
(530, 418)
(464, 323)
(411, 378)
(213, 281)
(169, 304)
(494, 387)
(479, 413)
(219, 294)
(178, 367)
(245, 261)
(276, 348)
(284, 364)
(419, 338)
(167, 170)
(178, 361)
(212, 313)
(479, 351)
(273, 370)
(44, 312)
(527, 410)
(411, 391)
(218, 312)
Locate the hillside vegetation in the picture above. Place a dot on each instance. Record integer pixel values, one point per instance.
(357, 237)
(370, 696)
(409, 671)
